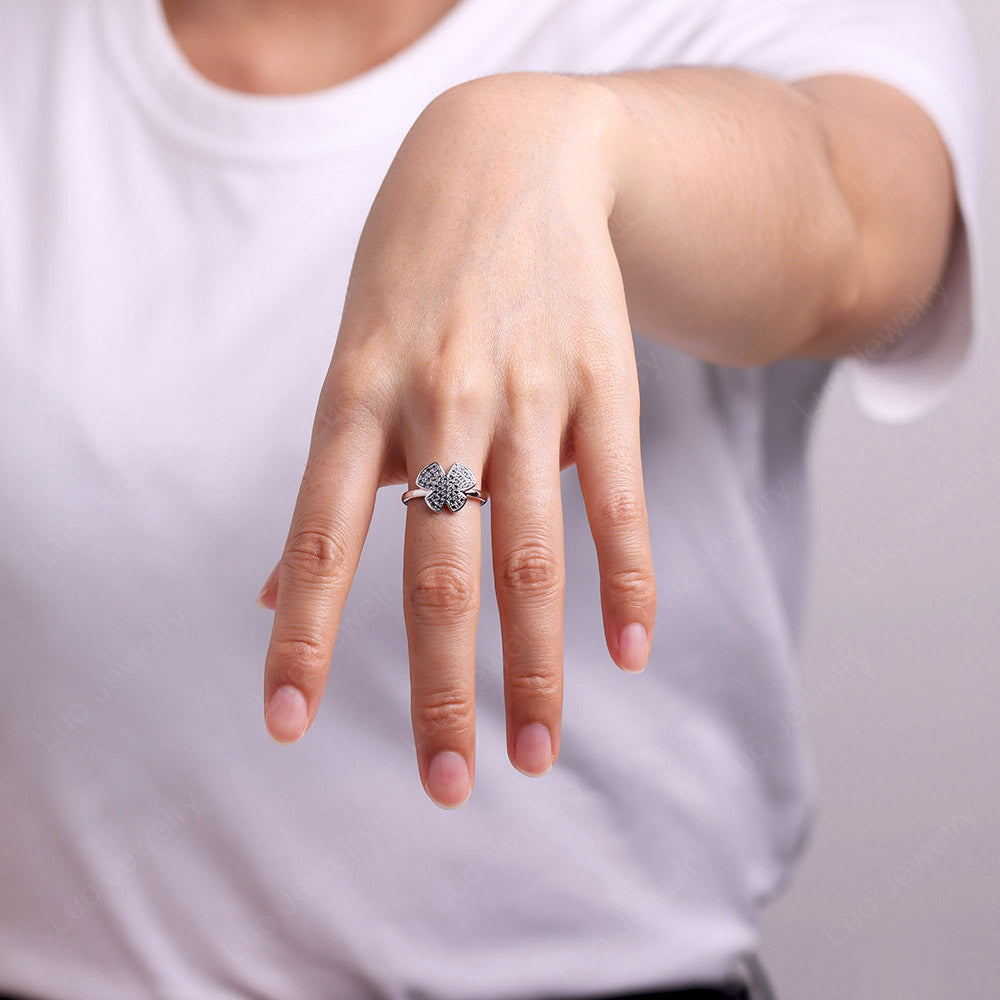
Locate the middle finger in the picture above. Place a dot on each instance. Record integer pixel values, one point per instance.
(530, 579)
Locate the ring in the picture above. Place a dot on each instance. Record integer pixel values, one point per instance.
(439, 489)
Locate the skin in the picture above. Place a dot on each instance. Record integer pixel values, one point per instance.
(295, 46)
(527, 222)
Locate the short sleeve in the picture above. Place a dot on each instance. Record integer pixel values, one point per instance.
(924, 49)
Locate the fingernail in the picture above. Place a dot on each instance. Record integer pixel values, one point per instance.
(286, 714)
(448, 781)
(633, 648)
(533, 749)
(267, 586)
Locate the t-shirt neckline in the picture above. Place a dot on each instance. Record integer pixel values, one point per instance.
(353, 115)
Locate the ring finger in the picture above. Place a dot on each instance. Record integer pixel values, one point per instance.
(442, 563)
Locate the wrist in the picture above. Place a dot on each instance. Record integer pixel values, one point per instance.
(566, 124)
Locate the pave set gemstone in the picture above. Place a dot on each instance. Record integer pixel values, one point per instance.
(446, 489)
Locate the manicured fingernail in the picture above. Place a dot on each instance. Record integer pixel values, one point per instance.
(533, 749)
(267, 586)
(633, 648)
(286, 714)
(448, 781)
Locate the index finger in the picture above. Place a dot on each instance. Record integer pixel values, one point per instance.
(333, 512)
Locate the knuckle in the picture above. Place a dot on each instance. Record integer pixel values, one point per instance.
(593, 375)
(535, 685)
(533, 405)
(318, 554)
(440, 589)
(531, 569)
(452, 384)
(357, 406)
(529, 385)
(303, 658)
(444, 711)
(353, 396)
(622, 509)
(633, 587)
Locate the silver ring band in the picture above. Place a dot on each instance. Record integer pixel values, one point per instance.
(440, 490)
(413, 494)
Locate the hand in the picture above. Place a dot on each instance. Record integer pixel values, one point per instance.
(485, 322)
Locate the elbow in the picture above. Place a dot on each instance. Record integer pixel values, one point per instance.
(829, 320)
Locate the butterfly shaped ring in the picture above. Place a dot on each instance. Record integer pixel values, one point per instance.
(440, 490)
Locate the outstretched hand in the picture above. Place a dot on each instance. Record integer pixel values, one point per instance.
(485, 323)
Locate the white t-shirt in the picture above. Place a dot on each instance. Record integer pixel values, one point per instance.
(173, 261)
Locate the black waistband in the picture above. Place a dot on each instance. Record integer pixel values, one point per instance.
(724, 991)
(731, 990)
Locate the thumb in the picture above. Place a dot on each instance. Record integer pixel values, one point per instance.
(267, 598)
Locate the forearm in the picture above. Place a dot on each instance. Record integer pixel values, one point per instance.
(735, 240)
(741, 211)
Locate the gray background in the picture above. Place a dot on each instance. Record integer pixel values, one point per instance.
(898, 893)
